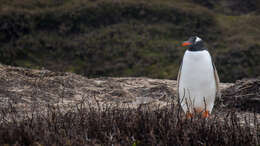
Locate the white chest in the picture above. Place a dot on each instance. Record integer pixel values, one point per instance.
(197, 67)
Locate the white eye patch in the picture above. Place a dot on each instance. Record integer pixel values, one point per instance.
(197, 39)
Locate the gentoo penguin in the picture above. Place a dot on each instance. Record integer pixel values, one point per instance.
(198, 81)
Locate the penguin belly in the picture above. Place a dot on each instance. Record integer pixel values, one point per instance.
(197, 85)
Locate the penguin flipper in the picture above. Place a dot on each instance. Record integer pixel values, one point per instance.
(178, 80)
(218, 93)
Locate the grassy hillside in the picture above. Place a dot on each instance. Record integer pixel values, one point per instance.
(129, 37)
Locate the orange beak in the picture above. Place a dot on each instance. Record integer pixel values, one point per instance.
(186, 44)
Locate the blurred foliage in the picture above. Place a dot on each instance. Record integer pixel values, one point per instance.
(128, 37)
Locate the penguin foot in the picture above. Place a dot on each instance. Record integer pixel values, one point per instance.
(205, 114)
(189, 115)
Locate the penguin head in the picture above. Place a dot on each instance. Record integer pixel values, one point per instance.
(194, 43)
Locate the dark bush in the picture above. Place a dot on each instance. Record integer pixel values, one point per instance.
(240, 63)
(117, 38)
(101, 38)
(85, 125)
(242, 6)
(207, 3)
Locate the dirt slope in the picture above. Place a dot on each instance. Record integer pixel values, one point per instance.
(24, 86)
(29, 90)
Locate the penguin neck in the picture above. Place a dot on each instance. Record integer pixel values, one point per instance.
(197, 48)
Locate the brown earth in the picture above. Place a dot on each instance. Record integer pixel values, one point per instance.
(26, 89)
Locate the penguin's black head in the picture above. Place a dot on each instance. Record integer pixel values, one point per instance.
(194, 43)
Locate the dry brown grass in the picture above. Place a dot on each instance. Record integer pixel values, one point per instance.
(84, 125)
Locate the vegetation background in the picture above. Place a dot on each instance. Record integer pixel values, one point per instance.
(129, 37)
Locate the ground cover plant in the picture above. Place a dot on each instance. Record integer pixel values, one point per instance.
(84, 124)
(129, 37)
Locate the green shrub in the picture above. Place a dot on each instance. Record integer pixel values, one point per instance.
(109, 38)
